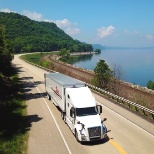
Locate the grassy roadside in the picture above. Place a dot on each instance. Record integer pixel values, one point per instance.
(37, 59)
(13, 131)
(34, 58)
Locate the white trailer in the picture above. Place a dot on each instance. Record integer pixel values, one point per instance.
(78, 106)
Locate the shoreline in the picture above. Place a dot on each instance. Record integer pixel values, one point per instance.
(82, 53)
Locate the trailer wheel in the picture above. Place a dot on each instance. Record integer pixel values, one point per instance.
(63, 115)
(48, 96)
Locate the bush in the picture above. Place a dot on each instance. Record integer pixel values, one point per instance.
(45, 64)
(150, 85)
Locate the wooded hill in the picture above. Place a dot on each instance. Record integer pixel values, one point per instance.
(26, 35)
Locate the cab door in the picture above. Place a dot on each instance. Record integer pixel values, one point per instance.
(69, 119)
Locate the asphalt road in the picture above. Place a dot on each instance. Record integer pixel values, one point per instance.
(48, 134)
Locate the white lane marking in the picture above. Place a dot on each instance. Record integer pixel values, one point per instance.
(52, 117)
(126, 119)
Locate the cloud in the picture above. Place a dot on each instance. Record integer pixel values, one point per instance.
(33, 15)
(150, 36)
(105, 31)
(63, 23)
(133, 33)
(138, 35)
(6, 10)
(68, 26)
(72, 31)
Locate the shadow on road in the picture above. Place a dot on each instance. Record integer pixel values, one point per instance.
(96, 142)
(35, 96)
(30, 119)
(30, 85)
(13, 120)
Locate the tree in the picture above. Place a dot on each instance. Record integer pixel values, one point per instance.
(2, 37)
(103, 74)
(150, 85)
(68, 54)
(5, 55)
(28, 35)
(64, 53)
(118, 75)
(97, 51)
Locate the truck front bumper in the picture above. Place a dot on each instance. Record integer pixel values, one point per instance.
(97, 138)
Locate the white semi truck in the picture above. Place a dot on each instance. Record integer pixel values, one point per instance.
(77, 105)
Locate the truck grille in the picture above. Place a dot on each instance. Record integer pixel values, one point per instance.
(94, 132)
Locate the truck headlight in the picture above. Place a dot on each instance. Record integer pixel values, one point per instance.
(82, 132)
(83, 136)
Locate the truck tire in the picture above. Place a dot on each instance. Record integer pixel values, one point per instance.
(105, 128)
(76, 136)
(63, 115)
(48, 96)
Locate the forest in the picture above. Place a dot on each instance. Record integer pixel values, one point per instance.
(5, 50)
(26, 35)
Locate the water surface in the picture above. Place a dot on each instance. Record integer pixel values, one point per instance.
(137, 64)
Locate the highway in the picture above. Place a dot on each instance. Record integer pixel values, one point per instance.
(48, 134)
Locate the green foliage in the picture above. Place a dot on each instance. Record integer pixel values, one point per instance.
(97, 51)
(33, 58)
(13, 134)
(150, 85)
(103, 74)
(5, 54)
(45, 63)
(64, 53)
(36, 58)
(27, 35)
(2, 29)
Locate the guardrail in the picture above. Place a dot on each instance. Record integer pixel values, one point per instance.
(131, 105)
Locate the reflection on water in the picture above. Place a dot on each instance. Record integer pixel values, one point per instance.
(138, 64)
(80, 58)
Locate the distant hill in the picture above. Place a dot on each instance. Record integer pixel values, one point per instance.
(27, 35)
(98, 46)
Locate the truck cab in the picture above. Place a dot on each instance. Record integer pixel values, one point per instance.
(82, 115)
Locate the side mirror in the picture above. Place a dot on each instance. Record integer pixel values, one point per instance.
(81, 124)
(78, 122)
(103, 120)
(99, 109)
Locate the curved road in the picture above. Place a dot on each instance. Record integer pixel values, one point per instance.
(48, 134)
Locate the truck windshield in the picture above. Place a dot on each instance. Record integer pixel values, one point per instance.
(86, 111)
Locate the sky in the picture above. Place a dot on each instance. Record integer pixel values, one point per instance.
(113, 23)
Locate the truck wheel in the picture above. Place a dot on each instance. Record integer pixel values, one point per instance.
(76, 136)
(106, 129)
(48, 96)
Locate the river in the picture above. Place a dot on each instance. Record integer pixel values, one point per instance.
(137, 65)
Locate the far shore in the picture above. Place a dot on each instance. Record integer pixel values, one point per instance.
(82, 53)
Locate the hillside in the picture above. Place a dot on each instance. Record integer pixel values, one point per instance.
(27, 35)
